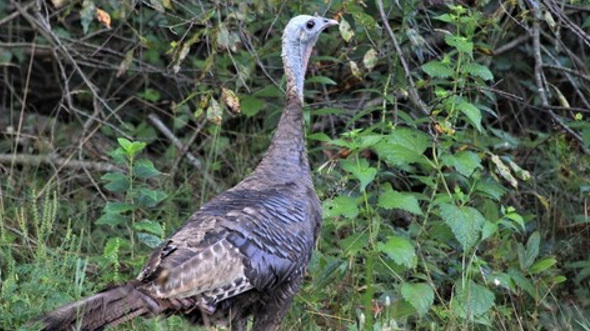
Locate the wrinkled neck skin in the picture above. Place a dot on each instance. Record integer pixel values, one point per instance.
(286, 159)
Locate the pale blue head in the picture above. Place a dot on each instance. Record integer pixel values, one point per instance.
(298, 40)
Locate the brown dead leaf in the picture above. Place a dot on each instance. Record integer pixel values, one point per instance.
(231, 100)
(103, 17)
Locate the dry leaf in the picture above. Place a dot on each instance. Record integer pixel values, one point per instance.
(103, 17)
(231, 100)
(58, 3)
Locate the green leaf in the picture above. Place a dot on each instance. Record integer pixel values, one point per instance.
(354, 243)
(402, 146)
(125, 143)
(149, 239)
(131, 148)
(322, 80)
(391, 199)
(112, 246)
(465, 222)
(361, 170)
(118, 207)
(465, 162)
(521, 281)
(399, 249)
(437, 69)
(111, 219)
(488, 230)
(472, 301)
(420, 296)
(460, 43)
(542, 265)
(149, 226)
(116, 182)
(144, 168)
(345, 30)
(490, 188)
(251, 105)
(527, 256)
(472, 112)
(341, 205)
(150, 95)
(87, 14)
(150, 198)
(478, 70)
(448, 18)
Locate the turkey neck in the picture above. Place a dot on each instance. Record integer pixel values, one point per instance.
(286, 158)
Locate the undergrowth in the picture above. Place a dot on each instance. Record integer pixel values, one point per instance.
(453, 175)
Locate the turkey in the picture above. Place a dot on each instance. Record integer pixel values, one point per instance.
(245, 252)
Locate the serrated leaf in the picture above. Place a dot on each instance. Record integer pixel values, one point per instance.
(465, 162)
(345, 30)
(400, 250)
(391, 199)
(144, 168)
(420, 296)
(150, 198)
(354, 243)
(118, 207)
(360, 170)
(402, 146)
(472, 112)
(472, 300)
(125, 143)
(490, 188)
(478, 70)
(116, 182)
(465, 222)
(460, 43)
(111, 219)
(370, 59)
(149, 239)
(149, 226)
(341, 205)
(437, 69)
(542, 265)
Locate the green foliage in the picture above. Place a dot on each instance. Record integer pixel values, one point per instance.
(472, 216)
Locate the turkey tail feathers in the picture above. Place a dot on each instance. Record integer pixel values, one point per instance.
(110, 307)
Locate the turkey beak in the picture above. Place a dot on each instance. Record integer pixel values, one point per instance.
(328, 23)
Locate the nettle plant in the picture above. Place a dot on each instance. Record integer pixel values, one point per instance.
(130, 212)
(420, 230)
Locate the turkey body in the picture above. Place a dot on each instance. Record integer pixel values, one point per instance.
(245, 252)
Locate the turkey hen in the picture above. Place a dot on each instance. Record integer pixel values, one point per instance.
(244, 252)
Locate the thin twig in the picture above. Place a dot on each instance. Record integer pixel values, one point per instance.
(540, 77)
(413, 92)
(155, 120)
(57, 160)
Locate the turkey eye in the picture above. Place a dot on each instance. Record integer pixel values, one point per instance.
(310, 24)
